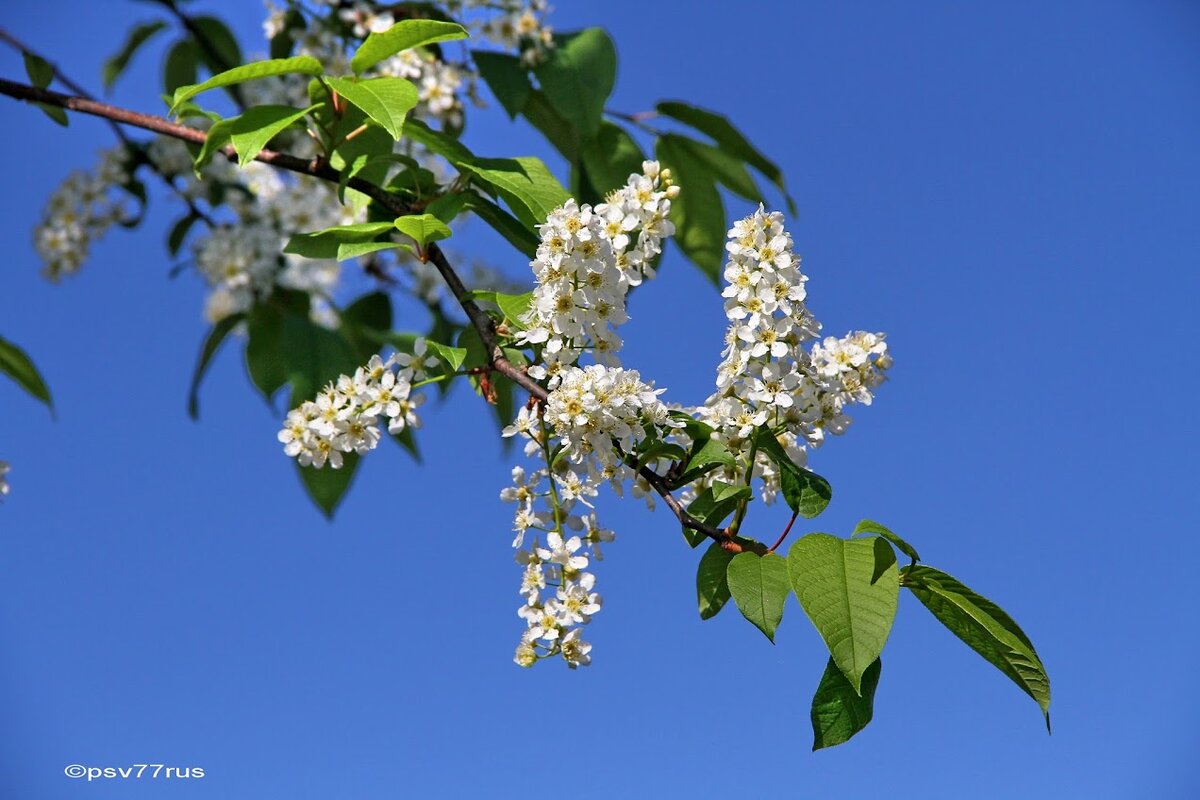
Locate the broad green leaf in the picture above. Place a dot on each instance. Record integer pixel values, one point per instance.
(386, 101)
(832, 580)
(610, 157)
(838, 711)
(179, 232)
(984, 627)
(885, 557)
(867, 526)
(348, 250)
(728, 138)
(698, 212)
(579, 76)
(55, 113)
(40, 73)
(448, 206)
(525, 184)
(327, 486)
(179, 67)
(17, 365)
(366, 320)
(453, 356)
(251, 131)
(404, 35)
(712, 587)
(504, 223)
(218, 137)
(512, 306)
(564, 136)
(759, 586)
(713, 505)
(314, 355)
(264, 345)
(303, 65)
(324, 244)
(138, 36)
(218, 46)
(422, 228)
(507, 77)
(212, 343)
(805, 491)
(729, 171)
(445, 146)
(708, 453)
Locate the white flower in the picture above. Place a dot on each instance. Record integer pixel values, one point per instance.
(5, 468)
(575, 651)
(562, 552)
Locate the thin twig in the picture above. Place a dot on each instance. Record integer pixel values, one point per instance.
(785, 533)
(483, 324)
(62, 78)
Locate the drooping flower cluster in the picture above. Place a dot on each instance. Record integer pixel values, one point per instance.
(5, 468)
(586, 261)
(79, 212)
(518, 25)
(766, 377)
(595, 416)
(346, 416)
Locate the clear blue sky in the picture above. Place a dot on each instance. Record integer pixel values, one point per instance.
(1009, 191)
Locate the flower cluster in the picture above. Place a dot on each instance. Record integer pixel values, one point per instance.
(559, 595)
(81, 211)
(586, 261)
(345, 417)
(767, 378)
(601, 412)
(5, 467)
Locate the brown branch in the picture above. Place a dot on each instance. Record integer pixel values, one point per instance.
(483, 324)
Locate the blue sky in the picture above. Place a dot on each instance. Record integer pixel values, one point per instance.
(1009, 191)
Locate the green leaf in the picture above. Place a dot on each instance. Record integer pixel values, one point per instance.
(40, 73)
(713, 505)
(708, 453)
(453, 356)
(325, 243)
(251, 131)
(805, 491)
(712, 587)
(55, 113)
(579, 76)
(832, 581)
(504, 224)
(17, 365)
(507, 77)
(404, 35)
(725, 168)
(138, 36)
(984, 627)
(385, 100)
(314, 356)
(759, 586)
(698, 212)
(445, 146)
(422, 228)
(564, 136)
(838, 711)
(179, 232)
(867, 526)
(885, 558)
(610, 157)
(217, 138)
(212, 343)
(303, 65)
(448, 206)
(179, 67)
(524, 183)
(512, 306)
(348, 250)
(219, 48)
(327, 486)
(728, 138)
(365, 320)
(264, 346)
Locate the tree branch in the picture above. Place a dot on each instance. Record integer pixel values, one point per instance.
(482, 323)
